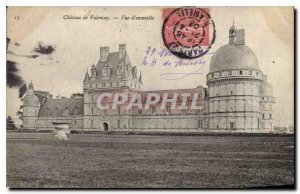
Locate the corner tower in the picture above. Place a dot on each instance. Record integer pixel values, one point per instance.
(233, 84)
(31, 106)
(266, 105)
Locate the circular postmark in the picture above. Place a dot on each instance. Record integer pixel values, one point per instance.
(188, 32)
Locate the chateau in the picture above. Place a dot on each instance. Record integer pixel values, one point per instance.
(237, 98)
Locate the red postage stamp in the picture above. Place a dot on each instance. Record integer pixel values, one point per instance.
(188, 32)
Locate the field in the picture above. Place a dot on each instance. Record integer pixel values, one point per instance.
(149, 161)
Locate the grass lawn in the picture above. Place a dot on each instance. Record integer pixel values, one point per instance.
(148, 161)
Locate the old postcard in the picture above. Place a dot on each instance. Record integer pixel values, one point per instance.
(150, 97)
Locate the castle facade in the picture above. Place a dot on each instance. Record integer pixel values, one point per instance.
(237, 98)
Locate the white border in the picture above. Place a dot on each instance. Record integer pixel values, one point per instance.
(5, 3)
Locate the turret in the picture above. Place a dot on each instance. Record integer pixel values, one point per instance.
(266, 101)
(86, 77)
(93, 72)
(232, 34)
(31, 108)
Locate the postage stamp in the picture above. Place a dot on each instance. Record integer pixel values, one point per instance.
(188, 32)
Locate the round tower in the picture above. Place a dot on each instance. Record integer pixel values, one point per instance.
(31, 106)
(233, 85)
(266, 105)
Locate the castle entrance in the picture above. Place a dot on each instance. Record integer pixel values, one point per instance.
(105, 126)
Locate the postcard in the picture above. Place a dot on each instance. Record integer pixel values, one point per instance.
(150, 97)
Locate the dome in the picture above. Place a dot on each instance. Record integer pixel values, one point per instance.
(31, 100)
(232, 56)
(265, 89)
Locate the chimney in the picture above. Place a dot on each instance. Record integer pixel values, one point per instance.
(104, 52)
(122, 50)
(264, 78)
(240, 37)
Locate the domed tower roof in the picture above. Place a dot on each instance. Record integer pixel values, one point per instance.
(265, 88)
(31, 99)
(235, 55)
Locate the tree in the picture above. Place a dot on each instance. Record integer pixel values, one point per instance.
(20, 114)
(74, 95)
(10, 124)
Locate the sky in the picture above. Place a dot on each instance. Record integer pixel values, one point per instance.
(269, 33)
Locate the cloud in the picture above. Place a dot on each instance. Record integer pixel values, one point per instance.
(44, 49)
(13, 79)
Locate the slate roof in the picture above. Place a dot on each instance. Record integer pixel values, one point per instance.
(113, 61)
(63, 107)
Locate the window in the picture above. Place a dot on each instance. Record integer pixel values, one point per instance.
(231, 125)
(139, 111)
(241, 72)
(103, 84)
(256, 73)
(119, 110)
(270, 116)
(263, 116)
(200, 124)
(199, 111)
(231, 92)
(250, 72)
(92, 111)
(153, 110)
(117, 83)
(168, 109)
